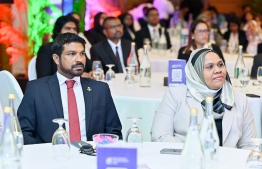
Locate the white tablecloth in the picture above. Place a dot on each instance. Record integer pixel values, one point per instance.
(143, 102)
(160, 63)
(40, 156)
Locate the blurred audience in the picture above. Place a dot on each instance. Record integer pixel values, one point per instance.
(152, 30)
(95, 34)
(245, 9)
(248, 17)
(142, 21)
(45, 65)
(254, 37)
(216, 17)
(256, 63)
(234, 35)
(195, 8)
(81, 34)
(128, 26)
(112, 50)
(165, 9)
(197, 39)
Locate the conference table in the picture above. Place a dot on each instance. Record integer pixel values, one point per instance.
(40, 156)
(143, 102)
(159, 63)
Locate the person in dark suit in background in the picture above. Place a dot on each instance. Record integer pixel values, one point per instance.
(128, 26)
(235, 35)
(112, 50)
(86, 103)
(198, 38)
(259, 48)
(45, 65)
(256, 63)
(152, 30)
(142, 21)
(96, 34)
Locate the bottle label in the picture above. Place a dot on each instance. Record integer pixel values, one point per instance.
(145, 77)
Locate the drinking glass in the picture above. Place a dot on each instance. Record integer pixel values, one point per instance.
(129, 78)
(254, 160)
(110, 74)
(61, 141)
(259, 74)
(97, 68)
(244, 77)
(224, 45)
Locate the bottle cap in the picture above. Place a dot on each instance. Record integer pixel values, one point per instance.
(193, 111)
(133, 43)
(209, 99)
(240, 46)
(7, 109)
(11, 96)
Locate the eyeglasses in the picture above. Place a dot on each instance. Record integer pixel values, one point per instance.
(202, 31)
(152, 15)
(113, 27)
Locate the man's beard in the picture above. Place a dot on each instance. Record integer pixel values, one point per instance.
(71, 71)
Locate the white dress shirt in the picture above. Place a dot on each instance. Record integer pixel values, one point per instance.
(164, 7)
(233, 39)
(152, 29)
(79, 101)
(113, 46)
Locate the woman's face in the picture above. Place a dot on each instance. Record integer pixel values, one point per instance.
(101, 19)
(249, 16)
(214, 71)
(233, 27)
(128, 20)
(201, 34)
(251, 28)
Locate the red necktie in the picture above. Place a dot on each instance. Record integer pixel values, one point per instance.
(74, 127)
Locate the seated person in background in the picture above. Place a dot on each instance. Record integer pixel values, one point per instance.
(152, 30)
(206, 75)
(259, 48)
(197, 39)
(234, 35)
(128, 26)
(112, 50)
(81, 34)
(165, 9)
(256, 63)
(142, 21)
(249, 16)
(95, 34)
(45, 65)
(86, 103)
(216, 17)
(254, 37)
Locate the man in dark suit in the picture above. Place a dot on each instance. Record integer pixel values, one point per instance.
(256, 63)
(87, 104)
(45, 66)
(152, 29)
(113, 50)
(259, 48)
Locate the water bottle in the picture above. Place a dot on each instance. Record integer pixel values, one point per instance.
(162, 44)
(209, 137)
(192, 154)
(16, 128)
(145, 70)
(9, 153)
(132, 60)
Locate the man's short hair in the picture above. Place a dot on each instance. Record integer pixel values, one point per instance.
(65, 38)
(149, 10)
(60, 22)
(108, 19)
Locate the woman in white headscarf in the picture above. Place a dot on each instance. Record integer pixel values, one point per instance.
(206, 75)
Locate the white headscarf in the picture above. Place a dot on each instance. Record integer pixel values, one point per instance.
(196, 84)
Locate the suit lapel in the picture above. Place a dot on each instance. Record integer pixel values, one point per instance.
(56, 95)
(87, 92)
(126, 48)
(147, 33)
(192, 104)
(109, 52)
(227, 123)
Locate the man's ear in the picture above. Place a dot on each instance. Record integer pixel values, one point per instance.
(56, 59)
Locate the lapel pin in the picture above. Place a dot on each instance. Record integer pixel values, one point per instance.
(89, 89)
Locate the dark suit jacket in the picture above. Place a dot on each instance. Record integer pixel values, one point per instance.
(256, 63)
(144, 33)
(45, 65)
(103, 52)
(259, 48)
(184, 56)
(143, 23)
(242, 40)
(127, 36)
(94, 37)
(42, 103)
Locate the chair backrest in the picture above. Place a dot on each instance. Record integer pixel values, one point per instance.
(32, 69)
(9, 85)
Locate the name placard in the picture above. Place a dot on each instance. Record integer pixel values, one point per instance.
(176, 72)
